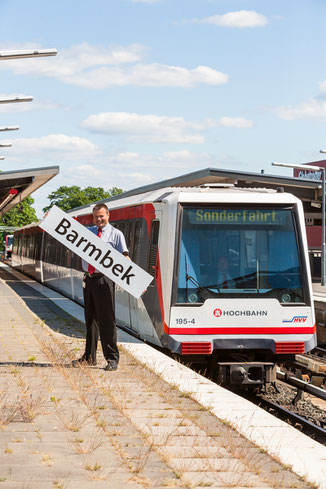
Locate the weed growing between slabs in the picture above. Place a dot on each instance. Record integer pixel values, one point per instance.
(105, 396)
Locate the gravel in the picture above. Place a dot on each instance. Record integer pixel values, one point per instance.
(304, 408)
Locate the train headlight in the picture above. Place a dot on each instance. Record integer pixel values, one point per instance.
(192, 297)
(286, 298)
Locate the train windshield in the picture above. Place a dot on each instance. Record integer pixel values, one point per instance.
(238, 252)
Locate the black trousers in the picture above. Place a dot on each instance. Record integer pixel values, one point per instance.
(100, 318)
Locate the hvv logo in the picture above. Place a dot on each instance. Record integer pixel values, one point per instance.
(296, 319)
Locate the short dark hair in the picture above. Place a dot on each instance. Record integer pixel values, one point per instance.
(100, 206)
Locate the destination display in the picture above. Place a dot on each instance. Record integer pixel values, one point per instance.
(96, 252)
(236, 216)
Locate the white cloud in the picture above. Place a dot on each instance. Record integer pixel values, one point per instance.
(237, 122)
(147, 75)
(157, 129)
(54, 146)
(311, 109)
(110, 176)
(84, 171)
(169, 159)
(146, 128)
(322, 86)
(239, 19)
(101, 67)
(138, 178)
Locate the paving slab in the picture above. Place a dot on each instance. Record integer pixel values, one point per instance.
(86, 428)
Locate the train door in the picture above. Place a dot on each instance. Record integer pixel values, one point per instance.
(150, 317)
(121, 297)
(132, 312)
(133, 242)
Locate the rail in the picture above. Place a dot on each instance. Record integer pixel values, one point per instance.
(302, 385)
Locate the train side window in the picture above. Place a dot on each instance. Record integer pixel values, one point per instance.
(38, 245)
(153, 248)
(131, 232)
(131, 239)
(127, 234)
(24, 245)
(121, 225)
(51, 250)
(137, 240)
(77, 263)
(15, 245)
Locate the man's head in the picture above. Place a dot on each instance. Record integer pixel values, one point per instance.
(101, 215)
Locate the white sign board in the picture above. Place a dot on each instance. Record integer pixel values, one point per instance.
(96, 252)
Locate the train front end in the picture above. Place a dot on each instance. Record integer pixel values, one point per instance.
(242, 296)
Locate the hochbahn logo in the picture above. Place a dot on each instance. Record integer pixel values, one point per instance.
(218, 313)
(96, 252)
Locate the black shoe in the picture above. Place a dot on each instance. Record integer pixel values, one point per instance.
(111, 366)
(82, 361)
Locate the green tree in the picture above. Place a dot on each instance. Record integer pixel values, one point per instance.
(70, 197)
(21, 214)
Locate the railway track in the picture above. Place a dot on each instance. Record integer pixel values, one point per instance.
(287, 401)
(294, 401)
(319, 352)
(300, 402)
(310, 428)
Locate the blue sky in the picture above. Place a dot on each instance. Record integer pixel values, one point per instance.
(143, 90)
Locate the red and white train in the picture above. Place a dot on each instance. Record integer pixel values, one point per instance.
(260, 313)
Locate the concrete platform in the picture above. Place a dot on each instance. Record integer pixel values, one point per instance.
(319, 293)
(152, 424)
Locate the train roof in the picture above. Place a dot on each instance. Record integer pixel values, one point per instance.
(207, 193)
(303, 189)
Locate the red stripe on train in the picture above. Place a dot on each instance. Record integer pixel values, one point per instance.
(240, 331)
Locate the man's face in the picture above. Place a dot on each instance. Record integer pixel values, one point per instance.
(101, 217)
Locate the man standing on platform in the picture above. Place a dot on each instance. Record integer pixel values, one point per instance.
(99, 297)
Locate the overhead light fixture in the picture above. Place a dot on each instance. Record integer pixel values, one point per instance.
(293, 165)
(2, 157)
(32, 53)
(15, 100)
(9, 128)
(5, 145)
(316, 204)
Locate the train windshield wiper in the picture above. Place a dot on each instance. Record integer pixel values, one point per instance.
(203, 288)
(286, 275)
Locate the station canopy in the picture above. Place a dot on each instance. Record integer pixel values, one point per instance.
(308, 190)
(15, 186)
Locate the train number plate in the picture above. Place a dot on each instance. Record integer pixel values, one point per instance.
(185, 321)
